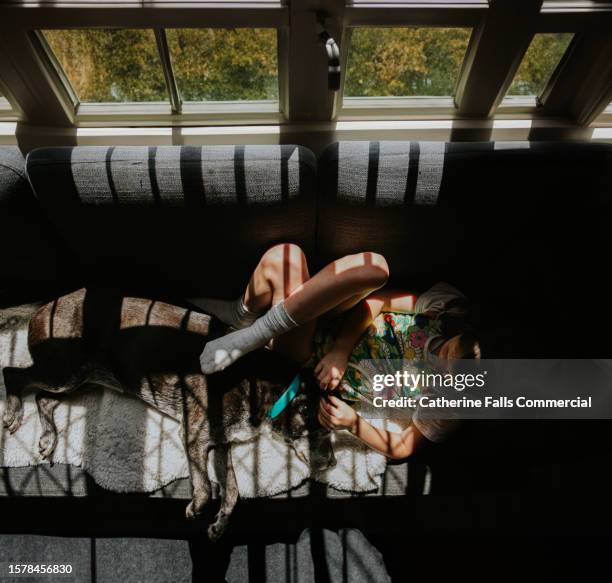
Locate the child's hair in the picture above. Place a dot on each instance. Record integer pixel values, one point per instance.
(461, 319)
(470, 346)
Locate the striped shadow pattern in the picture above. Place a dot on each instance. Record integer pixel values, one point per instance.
(391, 173)
(194, 217)
(178, 176)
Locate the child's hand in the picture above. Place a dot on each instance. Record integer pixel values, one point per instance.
(336, 414)
(330, 370)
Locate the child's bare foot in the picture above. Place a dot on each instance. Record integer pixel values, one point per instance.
(330, 370)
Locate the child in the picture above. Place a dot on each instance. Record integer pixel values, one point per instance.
(280, 307)
(399, 326)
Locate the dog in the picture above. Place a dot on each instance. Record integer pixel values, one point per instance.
(150, 350)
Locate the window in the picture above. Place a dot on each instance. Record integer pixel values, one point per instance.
(5, 106)
(251, 63)
(110, 65)
(405, 61)
(141, 66)
(225, 65)
(539, 63)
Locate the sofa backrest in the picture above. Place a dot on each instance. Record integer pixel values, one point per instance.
(181, 219)
(466, 211)
(506, 222)
(32, 255)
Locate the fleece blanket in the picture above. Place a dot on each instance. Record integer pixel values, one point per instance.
(127, 446)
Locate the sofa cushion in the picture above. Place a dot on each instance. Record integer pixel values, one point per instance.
(194, 219)
(31, 251)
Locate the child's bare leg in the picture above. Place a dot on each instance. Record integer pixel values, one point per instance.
(343, 282)
(281, 270)
(394, 300)
(348, 278)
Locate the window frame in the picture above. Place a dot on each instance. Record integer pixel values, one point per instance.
(9, 110)
(303, 97)
(400, 106)
(28, 19)
(266, 107)
(173, 110)
(533, 104)
(6, 110)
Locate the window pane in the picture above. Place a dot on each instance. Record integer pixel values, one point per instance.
(225, 65)
(110, 65)
(539, 63)
(405, 61)
(4, 104)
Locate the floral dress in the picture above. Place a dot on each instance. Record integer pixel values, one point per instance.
(391, 336)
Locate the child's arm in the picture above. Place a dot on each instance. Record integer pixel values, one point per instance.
(336, 414)
(330, 369)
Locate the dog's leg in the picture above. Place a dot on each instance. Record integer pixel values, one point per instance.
(229, 491)
(16, 381)
(46, 405)
(197, 436)
(198, 468)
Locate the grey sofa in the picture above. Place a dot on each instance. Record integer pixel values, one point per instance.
(514, 225)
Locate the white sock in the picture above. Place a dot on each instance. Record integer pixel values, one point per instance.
(232, 312)
(220, 353)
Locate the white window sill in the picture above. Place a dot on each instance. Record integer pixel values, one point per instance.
(227, 112)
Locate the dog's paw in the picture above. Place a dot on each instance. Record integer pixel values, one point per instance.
(302, 452)
(12, 420)
(7, 419)
(217, 528)
(195, 508)
(190, 511)
(47, 443)
(13, 414)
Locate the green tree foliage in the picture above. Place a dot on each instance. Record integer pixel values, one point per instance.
(539, 63)
(106, 65)
(210, 64)
(405, 61)
(427, 61)
(110, 65)
(219, 65)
